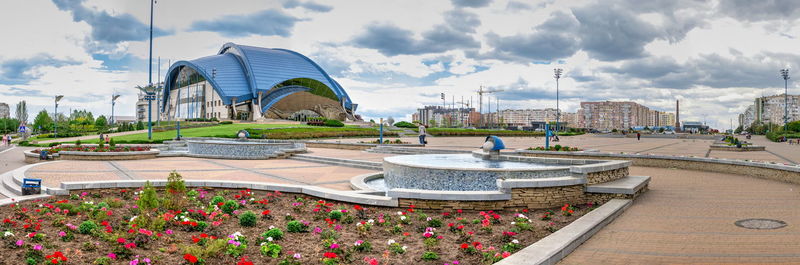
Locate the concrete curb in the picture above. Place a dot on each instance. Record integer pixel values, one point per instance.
(556, 246)
(345, 196)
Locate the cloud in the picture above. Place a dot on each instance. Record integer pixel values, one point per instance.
(754, 11)
(471, 3)
(310, 5)
(22, 71)
(462, 20)
(269, 22)
(610, 33)
(391, 40)
(20, 92)
(553, 39)
(107, 28)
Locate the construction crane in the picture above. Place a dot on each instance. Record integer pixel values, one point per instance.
(481, 91)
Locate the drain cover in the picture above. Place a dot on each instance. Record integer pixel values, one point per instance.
(758, 223)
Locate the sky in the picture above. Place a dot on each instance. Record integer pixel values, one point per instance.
(395, 56)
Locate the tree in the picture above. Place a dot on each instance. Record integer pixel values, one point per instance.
(100, 122)
(140, 125)
(22, 111)
(43, 121)
(739, 129)
(8, 125)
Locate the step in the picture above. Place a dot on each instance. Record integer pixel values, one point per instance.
(340, 162)
(6, 191)
(627, 185)
(10, 185)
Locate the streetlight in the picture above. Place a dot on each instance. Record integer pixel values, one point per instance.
(55, 124)
(149, 95)
(113, 102)
(557, 75)
(785, 75)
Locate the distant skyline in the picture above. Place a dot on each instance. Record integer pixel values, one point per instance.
(395, 56)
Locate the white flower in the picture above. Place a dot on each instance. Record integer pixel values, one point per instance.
(404, 248)
(271, 226)
(252, 199)
(358, 224)
(370, 221)
(391, 241)
(513, 223)
(402, 217)
(269, 239)
(399, 213)
(515, 241)
(131, 220)
(8, 234)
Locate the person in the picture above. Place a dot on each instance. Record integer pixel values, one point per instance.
(638, 136)
(102, 138)
(422, 133)
(108, 139)
(5, 139)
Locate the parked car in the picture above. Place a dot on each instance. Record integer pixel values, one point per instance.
(669, 132)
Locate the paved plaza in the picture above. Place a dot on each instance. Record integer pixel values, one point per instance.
(686, 217)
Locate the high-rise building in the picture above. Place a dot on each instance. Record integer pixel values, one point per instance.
(439, 116)
(5, 112)
(666, 119)
(524, 117)
(771, 109)
(609, 115)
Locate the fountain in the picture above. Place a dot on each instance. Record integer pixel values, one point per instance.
(242, 147)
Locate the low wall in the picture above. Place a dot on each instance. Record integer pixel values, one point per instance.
(353, 146)
(733, 148)
(71, 155)
(784, 173)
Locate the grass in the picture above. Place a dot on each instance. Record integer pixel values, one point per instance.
(317, 132)
(223, 130)
(486, 132)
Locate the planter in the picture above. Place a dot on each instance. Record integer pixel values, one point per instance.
(104, 156)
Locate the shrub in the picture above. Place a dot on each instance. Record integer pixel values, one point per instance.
(435, 223)
(148, 201)
(112, 143)
(296, 227)
(78, 142)
(248, 219)
(405, 124)
(226, 122)
(428, 255)
(87, 227)
(230, 206)
(333, 123)
(336, 215)
(216, 200)
(274, 233)
(271, 250)
(101, 145)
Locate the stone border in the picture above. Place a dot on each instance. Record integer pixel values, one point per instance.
(556, 246)
(449, 195)
(733, 148)
(32, 158)
(359, 182)
(772, 171)
(338, 195)
(353, 146)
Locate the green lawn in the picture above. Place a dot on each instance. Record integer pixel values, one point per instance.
(223, 130)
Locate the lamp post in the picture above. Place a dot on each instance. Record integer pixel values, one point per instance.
(785, 75)
(55, 124)
(149, 95)
(557, 75)
(113, 102)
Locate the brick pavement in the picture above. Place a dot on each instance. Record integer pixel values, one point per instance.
(688, 217)
(273, 171)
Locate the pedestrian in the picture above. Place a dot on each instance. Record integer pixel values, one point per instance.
(638, 136)
(108, 139)
(101, 137)
(4, 139)
(422, 133)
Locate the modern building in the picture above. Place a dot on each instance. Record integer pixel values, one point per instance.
(694, 127)
(5, 112)
(771, 109)
(516, 118)
(439, 116)
(251, 83)
(141, 107)
(609, 115)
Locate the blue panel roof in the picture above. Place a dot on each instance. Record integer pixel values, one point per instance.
(243, 71)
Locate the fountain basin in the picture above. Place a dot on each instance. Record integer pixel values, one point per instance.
(241, 149)
(463, 172)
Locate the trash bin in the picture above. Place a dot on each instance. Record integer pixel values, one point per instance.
(31, 186)
(43, 155)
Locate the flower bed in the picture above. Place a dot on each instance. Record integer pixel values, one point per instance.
(83, 148)
(202, 226)
(556, 148)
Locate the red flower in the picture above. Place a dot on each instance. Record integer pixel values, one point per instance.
(121, 240)
(329, 255)
(265, 212)
(465, 245)
(190, 258)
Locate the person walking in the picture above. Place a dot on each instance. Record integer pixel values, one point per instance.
(422, 133)
(638, 136)
(5, 139)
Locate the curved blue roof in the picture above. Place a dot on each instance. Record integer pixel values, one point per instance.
(243, 71)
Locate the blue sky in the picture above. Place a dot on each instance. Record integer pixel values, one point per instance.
(395, 56)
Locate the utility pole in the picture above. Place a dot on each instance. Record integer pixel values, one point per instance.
(557, 75)
(785, 75)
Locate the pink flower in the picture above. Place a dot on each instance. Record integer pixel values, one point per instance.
(62, 234)
(20, 243)
(169, 231)
(112, 255)
(334, 246)
(37, 247)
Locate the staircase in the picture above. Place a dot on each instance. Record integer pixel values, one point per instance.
(339, 161)
(173, 148)
(388, 149)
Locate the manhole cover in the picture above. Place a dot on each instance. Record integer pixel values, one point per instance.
(758, 223)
